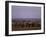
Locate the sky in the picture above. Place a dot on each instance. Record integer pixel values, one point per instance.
(26, 12)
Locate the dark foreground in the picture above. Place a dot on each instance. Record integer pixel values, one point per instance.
(26, 24)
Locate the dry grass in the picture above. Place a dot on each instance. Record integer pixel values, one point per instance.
(17, 26)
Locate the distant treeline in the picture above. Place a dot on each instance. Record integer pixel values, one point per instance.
(26, 19)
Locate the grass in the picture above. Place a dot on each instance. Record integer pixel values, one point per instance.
(19, 26)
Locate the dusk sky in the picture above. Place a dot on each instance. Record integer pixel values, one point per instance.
(26, 12)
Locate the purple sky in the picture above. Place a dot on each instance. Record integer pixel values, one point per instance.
(26, 12)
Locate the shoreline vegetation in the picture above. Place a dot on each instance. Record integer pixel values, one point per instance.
(26, 24)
